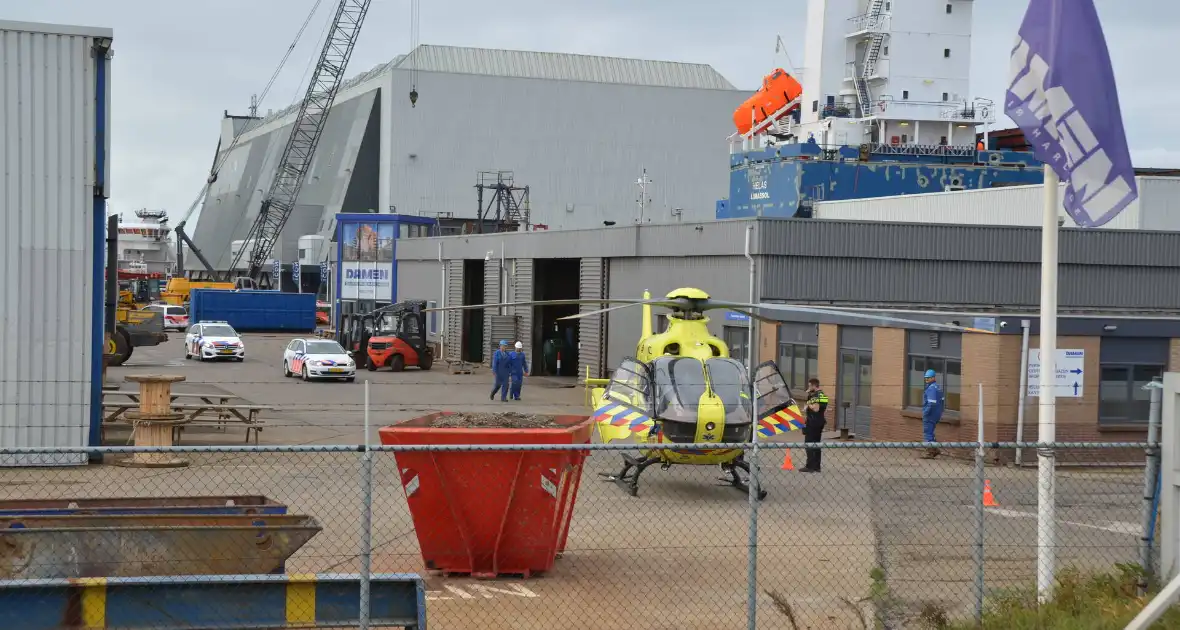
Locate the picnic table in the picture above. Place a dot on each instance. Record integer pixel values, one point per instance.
(195, 414)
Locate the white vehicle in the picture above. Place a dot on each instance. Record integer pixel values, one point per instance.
(213, 340)
(318, 358)
(175, 317)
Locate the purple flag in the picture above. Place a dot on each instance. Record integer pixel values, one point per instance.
(1063, 97)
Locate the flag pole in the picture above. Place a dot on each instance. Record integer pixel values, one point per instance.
(1047, 417)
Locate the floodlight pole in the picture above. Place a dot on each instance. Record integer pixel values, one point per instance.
(755, 485)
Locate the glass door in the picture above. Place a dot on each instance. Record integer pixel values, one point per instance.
(856, 392)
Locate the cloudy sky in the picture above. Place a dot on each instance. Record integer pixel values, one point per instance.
(179, 65)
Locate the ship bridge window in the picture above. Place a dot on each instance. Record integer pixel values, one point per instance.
(948, 9)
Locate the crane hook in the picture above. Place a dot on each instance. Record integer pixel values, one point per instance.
(413, 98)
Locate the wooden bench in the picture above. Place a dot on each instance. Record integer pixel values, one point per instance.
(196, 414)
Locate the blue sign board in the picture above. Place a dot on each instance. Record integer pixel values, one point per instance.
(731, 316)
(295, 277)
(276, 274)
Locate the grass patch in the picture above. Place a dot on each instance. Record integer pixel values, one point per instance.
(1080, 602)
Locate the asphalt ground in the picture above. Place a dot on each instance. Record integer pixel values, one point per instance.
(673, 557)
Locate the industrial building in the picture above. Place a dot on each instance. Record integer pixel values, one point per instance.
(56, 121)
(1157, 208)
(578, 131)
(1119, 304)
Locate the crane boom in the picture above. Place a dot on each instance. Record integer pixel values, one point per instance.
(295, 160)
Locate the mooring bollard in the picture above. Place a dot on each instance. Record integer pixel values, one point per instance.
(154, 421)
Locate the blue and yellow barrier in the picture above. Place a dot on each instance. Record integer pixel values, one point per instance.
(211, 601)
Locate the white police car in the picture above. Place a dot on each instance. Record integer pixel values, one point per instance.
(213, 340)
(318, 358)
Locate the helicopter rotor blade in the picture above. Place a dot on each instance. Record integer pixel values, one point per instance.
(600, 311)
(463, 307)
(845, 313)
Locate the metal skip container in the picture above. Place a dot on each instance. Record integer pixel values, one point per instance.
(41, 547)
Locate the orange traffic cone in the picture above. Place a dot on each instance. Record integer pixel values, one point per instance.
(787, 465)
(989, 500)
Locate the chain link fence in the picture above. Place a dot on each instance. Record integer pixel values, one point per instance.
(880, 537)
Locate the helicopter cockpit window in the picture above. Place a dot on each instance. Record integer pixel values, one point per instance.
(679, 385)
(729, 382)
(772, 388)
(630, 385)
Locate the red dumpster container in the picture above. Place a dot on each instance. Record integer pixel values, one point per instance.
(490, 513)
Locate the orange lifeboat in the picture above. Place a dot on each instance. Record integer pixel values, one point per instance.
(778, 89)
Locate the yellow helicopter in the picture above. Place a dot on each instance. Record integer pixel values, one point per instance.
(682, 387)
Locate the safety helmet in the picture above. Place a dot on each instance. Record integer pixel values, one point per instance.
(503, 342)
(519, 345)
(929, 373)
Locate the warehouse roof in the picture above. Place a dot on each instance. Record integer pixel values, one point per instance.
(562, 67)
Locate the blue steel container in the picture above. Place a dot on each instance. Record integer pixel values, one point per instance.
(254, 311)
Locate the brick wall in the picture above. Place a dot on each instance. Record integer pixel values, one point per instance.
(1174, 356)
(829, 356)
(767, 343)
(889, 368)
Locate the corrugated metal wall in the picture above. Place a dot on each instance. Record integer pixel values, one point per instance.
(714, 238)
(722, 277)
(1158, 207)
(49, 199)
(521, 290)
(592, 329)
(491, 295)
(454, 331)
(943, 265)
(608, 134)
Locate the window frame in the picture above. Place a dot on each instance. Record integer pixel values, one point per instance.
(1128, 403)
(919, 345)
(786, 364)
(432, 319)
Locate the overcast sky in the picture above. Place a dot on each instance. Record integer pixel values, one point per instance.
(179, 65)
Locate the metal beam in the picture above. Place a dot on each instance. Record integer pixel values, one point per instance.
(183, 602)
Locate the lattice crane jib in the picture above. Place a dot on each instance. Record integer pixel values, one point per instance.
(295, 160)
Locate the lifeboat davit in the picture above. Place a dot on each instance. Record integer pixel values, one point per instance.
(778, 90)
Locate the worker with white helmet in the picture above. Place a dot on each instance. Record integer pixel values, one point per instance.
(519, 367)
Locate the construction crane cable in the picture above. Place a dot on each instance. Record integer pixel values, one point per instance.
(221, 158)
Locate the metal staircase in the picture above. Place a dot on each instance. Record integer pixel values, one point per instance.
(868, 67)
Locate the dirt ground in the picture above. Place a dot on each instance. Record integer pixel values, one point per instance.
(676, 556)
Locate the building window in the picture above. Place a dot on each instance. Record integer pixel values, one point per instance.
(738, 341)
(905, 95)
(798, 354)
(938, 351)
(432, 319)
(815, 106)
(948, 9)
(1126, 365)
(946, 96)
(885, 52)
(946, 52)
(888, 6)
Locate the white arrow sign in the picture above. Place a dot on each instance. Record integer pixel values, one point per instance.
(1071, 373)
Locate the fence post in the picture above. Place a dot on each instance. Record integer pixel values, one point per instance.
(979, 490)
(1151, 472)
(755, 481)
(366, 520)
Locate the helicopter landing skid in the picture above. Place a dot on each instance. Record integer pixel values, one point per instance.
(736, 480)
(628, 477)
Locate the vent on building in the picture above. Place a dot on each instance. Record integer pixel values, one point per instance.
(934, 341)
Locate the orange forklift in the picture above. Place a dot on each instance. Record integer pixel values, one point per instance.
(392, 336)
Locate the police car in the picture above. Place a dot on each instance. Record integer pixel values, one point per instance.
(318, 358)
(213, 340)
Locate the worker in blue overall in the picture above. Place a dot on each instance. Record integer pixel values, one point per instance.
(520, 367)
(933, 403)
(501, 367)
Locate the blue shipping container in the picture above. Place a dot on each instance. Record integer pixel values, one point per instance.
(254, 310)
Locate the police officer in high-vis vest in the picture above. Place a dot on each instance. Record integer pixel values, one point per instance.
(813, 431)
